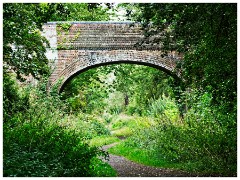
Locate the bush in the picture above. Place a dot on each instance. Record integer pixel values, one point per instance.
(99, 128)
(107, 117)
(39, 145)
(13, 100)
(205, 142)
(87, 126)
(119, 124)
(164, 107)
(33, 150)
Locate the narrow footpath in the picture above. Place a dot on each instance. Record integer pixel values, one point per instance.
(127, 168)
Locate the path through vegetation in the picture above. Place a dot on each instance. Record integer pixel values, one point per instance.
(127, 168)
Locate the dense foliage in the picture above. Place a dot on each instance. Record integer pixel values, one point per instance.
(77, 12)
(189, 124)
(206, 34)
(39, 141)
(202, 144)
(36, 143)
(23, 45)
(96, 88)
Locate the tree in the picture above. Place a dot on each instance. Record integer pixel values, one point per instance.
(88, 91)
(23, 45)
(141, 85)
(206, 34)
(79, 12)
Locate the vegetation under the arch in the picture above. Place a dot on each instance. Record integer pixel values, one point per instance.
(62, 84)
(44, 135)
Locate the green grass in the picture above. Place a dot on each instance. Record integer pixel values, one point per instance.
(103, 140)
(102, 169)
(131, 122)
(141, 156)
(149, 158)
(123, 132)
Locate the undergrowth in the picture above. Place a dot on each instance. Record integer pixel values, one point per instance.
(103, 140)
(204, 142)
(37, 144)
(41, 138)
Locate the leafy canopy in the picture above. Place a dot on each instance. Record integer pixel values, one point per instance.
(23, 46)
(206, 34)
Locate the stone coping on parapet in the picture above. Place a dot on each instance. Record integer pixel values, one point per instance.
(93, 22)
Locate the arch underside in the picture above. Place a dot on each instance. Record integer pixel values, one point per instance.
(93, 59)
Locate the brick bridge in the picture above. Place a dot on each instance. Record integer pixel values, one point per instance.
(78, 46)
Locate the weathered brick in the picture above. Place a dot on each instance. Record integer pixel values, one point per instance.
(87, 44)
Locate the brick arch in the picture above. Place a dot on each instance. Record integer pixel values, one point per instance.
(78, 46)
(102, 58)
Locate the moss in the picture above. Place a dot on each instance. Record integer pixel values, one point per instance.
(65, 26)
(76, 37)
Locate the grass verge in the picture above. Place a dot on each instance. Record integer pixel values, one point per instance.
(102, 169)
(140, 156)
(149, 158)
(123, 132)
(103, 140)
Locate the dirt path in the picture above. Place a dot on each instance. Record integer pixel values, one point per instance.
(127, 168)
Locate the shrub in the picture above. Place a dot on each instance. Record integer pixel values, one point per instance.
(205, 142)
(164, 107)
(99, 128)
(46, 150)
(38, 145)
(13, 100)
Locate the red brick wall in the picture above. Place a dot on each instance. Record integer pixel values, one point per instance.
(84, 44)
